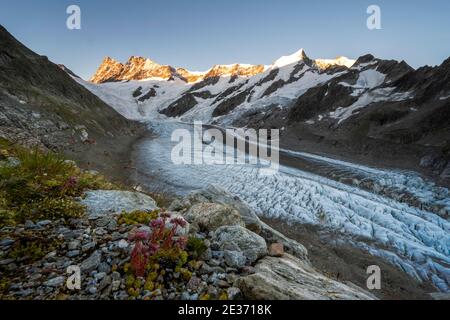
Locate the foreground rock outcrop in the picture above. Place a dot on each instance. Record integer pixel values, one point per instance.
(289, 278)
(230, 253)
(106, 202)
(282, 276)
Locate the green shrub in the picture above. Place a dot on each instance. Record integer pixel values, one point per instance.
(52, 208)
(137, 217)
(42, 186)
(31, 249)
(196, 246)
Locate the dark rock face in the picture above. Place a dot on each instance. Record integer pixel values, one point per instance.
(319, 99)
(151, 93)
(228, 92)
(42, 104)
(180, 106)
(137, 92)
(203, 94)
(229, 104)
(207, 82)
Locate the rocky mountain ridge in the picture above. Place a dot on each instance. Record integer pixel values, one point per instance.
(139, 68)
(42, 105)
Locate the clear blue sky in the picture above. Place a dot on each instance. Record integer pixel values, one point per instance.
(197, 33)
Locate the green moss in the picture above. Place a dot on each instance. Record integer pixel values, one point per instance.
(205, 297)
(129, 281)
(31, 249)
(4, 285)
(137, 217)
(196, 246)
(223, 296)
(42, 186)
(52, 208)
(185, 274)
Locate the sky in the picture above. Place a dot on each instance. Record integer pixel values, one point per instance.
(197, 34)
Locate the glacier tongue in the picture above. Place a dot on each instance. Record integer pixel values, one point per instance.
(415, 240)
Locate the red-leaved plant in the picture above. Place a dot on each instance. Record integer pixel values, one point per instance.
(161, 237)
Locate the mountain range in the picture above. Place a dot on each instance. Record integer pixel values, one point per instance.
(355, 109)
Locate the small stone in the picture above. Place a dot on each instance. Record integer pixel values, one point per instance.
(92, 290)
(123, 244)
(6, 242)
(100, 231)
(217, 254)
(234, 293)
(116, 236)
(26, 292)
(6, 261)
(214, 262)
(99, 276)
(234, 259)
(29, 225)
(88, 246)
(12, 267)
(206, 255)
(193, 283)
(205, 269)
(115, 275)
(104, 268)
(187, 296)
(50, 255)
(213, 292)
(35, 276)
(223, 284)
(276, 250)
(73, 245)
(73, 253)
(44, 223)
(106, 281)
(92, 262)
(15, 286)
(115, 285)
(122, 295)
(231, 277)
(55, 282)
(248, 270)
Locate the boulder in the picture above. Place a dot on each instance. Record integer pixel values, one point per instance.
(216, 194)
(103, 202)
(210, 216)
(289, 278)
(238, 238)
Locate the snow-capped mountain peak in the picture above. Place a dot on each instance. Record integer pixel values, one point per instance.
(339, 61)
(297, 56)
